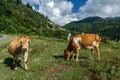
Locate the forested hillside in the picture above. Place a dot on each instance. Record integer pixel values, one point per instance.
(17, 18)
(109, 27)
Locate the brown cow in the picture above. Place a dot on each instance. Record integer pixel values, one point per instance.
(17, 47)
(77, 42)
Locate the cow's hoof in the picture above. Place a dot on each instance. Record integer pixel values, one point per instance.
(67, 59)
(26, 69)
(76, 61)
(15, 68)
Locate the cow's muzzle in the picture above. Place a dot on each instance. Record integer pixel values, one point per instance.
(24, 49)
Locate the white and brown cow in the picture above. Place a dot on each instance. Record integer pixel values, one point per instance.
(78, 42)
(19, 47)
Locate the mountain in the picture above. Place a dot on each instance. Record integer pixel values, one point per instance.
(109, 27)
(17, 18)
(91, 19)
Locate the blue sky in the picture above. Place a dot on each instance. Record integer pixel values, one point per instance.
(77, 4)
(62, 12)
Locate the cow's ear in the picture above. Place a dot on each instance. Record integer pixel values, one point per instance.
(98, 38)
(30, 39)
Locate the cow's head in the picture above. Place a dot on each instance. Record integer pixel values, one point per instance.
(24, 42)
(98, 38)
(67, 54)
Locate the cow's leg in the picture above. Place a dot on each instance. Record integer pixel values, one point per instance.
(98, 52)
(15, 62)
(68, 56)
(73, 55)
(25, 60)
(77, 54)
(93, 51)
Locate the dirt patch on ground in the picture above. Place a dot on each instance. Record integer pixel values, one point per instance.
(54, 71)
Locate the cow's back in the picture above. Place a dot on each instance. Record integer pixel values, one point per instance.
(14, 45)
(88, 39)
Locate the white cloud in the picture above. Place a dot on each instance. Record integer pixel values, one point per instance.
(51, 4)
(102, 8)
(60, 11)
(57, 10)
(31, 1)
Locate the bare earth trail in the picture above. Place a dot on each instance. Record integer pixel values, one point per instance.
(2, 36)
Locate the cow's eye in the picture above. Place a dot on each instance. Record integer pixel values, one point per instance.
(21, 42)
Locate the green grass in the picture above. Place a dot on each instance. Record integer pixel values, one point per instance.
(46, 62)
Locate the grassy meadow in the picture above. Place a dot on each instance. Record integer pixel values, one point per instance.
(46, 62)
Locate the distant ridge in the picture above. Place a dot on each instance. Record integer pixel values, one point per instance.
(109, 26)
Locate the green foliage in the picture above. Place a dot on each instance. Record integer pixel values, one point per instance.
(19, 2)
(17, 18)
(28, 5)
